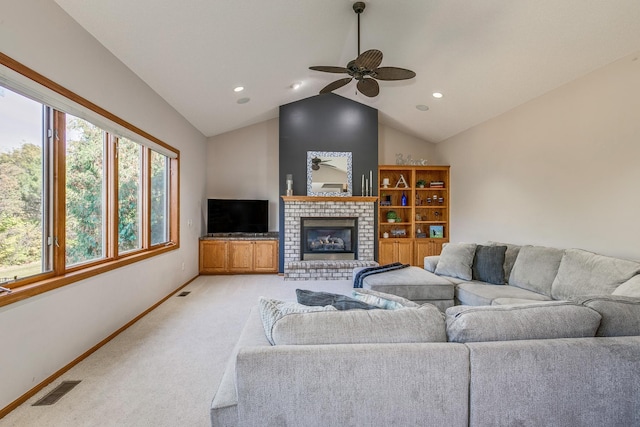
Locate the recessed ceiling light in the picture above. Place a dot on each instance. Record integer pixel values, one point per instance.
(238, 89)
(422, 107)
(437, 95)
(243, 100)
(296, 85)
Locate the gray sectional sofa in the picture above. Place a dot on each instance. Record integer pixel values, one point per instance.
(533, 273)
(558, 348)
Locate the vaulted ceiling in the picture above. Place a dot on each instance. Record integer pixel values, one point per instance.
(486, 57)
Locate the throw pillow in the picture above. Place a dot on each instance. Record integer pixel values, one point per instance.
(377, 302)
(273, 310)
(456, 260)
(402, 301)
(340, 302)
(488, 264)
(509, 257)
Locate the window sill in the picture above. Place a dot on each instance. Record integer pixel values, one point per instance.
(36, 288)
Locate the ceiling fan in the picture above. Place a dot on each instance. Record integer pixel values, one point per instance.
(365, 68)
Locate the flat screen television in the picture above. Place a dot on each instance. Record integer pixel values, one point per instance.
(237, 216)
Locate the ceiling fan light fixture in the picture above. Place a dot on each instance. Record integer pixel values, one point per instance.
(365, 69)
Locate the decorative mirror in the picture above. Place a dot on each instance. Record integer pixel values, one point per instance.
(329, 173)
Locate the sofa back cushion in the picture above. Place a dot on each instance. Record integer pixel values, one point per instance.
(546, 320)
(406, 325)
(535, 268)
(586, 273)
(630, 288)
(620, 315)
(456, 260)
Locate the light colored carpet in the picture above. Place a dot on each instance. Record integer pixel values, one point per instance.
(165, 369)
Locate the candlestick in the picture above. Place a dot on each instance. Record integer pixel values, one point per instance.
(366, 187)
(362, 185)
(370, 183)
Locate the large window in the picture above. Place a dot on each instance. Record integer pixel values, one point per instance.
(159, 198)
(79, 192)
(85, 191)
(129, 155)
(22, 187)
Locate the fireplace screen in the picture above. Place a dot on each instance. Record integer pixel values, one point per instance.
(328, 238)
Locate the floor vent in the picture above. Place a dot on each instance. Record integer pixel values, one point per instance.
(184, 293)
(54, 395)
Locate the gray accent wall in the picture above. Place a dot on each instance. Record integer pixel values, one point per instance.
(325, 122)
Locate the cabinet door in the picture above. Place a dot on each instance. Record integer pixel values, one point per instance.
(213, 257)
(265, 257)
(427, 247)
(395, 250)
(404, 251)
(240, 258)
(386, 252)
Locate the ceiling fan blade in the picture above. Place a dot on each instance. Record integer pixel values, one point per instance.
(369, 87)
(393, 73)
(370, 59)
(329, 69)
(335, 85)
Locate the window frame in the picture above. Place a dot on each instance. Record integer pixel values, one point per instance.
(60, 274)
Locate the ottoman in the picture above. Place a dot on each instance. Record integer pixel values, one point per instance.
(413, 283)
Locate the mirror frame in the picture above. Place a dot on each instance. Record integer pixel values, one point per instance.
(324, 154)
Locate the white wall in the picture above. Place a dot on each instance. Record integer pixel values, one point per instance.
(561, 170)
(392, 141)
(244, 163)
(44, 333)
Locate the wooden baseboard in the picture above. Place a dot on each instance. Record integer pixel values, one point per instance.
(22, 399)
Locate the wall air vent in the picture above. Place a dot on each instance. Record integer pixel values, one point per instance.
(184, 293)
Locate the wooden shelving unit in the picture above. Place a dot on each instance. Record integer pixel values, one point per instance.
(422, 224)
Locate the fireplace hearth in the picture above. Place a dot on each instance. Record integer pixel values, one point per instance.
(328, 238)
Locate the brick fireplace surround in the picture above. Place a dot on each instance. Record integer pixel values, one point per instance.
(296, 207)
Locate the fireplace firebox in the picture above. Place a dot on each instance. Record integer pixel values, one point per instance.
(329, 238)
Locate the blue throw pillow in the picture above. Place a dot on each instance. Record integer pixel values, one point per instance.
(488, 264)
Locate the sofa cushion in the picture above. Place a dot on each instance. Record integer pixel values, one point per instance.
(271, 311)
(488, 264)
(422, 324)
(456, 260)
(340, 302)
(509, 257)
(620, 315)
(413, 283)
(586, 273)
(557, 319)
(630, 288)
(476, 293)
(536, 268)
